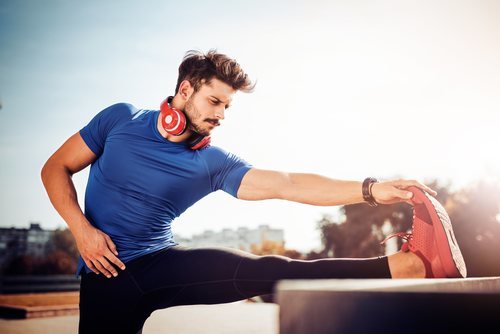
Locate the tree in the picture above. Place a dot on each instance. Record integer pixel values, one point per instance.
(22, 265)
(269, 247)
(58, 262)
(359, 232)
(62, 258)
(474, 212)
(63, 240)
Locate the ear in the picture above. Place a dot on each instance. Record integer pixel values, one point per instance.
(185, 90)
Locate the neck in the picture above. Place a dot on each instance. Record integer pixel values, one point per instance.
(178, 102)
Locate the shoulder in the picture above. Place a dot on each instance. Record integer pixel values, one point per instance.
(120, 110)
(215, 153)
(217, 157)
(118, 113)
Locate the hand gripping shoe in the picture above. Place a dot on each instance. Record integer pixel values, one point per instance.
(432, 238)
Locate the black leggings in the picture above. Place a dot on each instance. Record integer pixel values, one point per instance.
(186, 276)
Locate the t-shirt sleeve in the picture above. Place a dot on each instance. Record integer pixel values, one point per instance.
(96, 131)
(227, 170)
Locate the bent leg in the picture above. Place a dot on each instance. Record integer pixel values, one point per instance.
(109, 305)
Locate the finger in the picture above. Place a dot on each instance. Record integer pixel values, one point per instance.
(403, 184)
(406, 183)
(116, 261)
(400, 189)
(111, 244)
(403, 194)
(91, 266)
(430, 191)
(101, 268)
(109, 267)
(425, 188)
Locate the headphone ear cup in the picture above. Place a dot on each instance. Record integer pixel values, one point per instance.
(173, 120)
(199, 142)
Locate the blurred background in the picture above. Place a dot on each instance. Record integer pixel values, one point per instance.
(346, 89)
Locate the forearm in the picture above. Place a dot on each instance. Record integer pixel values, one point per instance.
(321, 191)
(60, 188)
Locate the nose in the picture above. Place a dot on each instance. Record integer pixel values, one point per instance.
(219, 113)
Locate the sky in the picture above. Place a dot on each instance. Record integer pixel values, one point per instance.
(345, 89)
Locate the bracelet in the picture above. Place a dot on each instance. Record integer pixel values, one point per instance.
(367, 190)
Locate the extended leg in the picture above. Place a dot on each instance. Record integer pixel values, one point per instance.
(185, 276)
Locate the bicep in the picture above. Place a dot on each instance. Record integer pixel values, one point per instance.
(258, 184)
(74, 155)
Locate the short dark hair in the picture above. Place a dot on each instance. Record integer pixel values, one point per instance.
(199, 68)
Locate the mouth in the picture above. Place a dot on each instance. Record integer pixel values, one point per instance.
(213, 123)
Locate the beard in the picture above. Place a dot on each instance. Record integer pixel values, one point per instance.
(192, 115)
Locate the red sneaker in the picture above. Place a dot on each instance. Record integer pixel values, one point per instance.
(432, 238)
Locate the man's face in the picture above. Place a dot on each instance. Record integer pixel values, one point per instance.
(205, 108)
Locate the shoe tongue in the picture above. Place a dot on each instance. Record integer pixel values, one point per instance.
(405, 248)
(420, 212)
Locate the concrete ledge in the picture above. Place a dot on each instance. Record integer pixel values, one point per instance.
(38, 283)
(388, 306)
(25, 312)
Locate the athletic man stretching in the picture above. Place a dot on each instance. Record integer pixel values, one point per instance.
(149, 166)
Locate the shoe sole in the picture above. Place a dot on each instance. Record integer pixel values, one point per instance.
(447, 245)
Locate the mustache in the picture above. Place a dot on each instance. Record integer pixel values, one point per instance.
(215, 121)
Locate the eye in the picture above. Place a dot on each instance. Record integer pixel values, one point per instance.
(214, 102)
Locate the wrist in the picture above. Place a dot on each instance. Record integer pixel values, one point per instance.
(366, 190)
(81, 229)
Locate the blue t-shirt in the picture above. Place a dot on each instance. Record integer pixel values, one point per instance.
(141, 181)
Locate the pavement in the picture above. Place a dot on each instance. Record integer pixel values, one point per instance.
(240, 317)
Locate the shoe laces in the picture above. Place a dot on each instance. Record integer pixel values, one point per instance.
(407, 236)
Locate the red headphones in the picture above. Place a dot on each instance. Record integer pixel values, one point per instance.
(174, 122)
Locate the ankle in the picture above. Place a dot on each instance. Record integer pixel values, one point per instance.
(406, 265)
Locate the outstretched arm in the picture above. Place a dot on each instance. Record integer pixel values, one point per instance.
(259, 184)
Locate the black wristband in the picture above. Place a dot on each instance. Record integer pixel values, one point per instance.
(367, 190)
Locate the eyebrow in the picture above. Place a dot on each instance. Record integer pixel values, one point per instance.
(220, 101)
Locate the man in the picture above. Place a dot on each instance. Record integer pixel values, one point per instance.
(149, 166)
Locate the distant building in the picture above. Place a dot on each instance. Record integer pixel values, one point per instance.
(15, 242)
(242, 238)
(35, 241)
(38, 240)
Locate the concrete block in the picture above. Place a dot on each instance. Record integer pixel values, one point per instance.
(389, 306)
